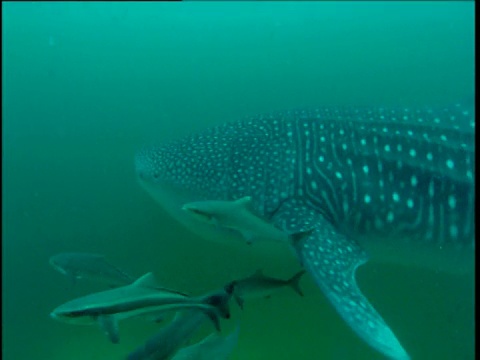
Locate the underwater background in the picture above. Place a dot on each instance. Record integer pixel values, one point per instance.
(85, 85)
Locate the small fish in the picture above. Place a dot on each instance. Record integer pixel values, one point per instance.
(259, 285)
(93, 267)
(143, 297)
(166, 342)
(213, 347)
(236, 215)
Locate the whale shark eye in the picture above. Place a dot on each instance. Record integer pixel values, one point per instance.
(155, 175)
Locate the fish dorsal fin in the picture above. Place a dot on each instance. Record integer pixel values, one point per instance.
(244, 201)
(147, 281)
(259, 272)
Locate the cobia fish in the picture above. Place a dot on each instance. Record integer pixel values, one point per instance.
(140, 298)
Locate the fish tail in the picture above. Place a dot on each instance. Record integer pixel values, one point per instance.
(230, 288)
(294, 282)
(213, 316)
(218, 304)
(239, 300)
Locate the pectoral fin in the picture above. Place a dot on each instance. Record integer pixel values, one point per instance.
(110, 326)
(248, 236)
(239, 300)
(332, 260)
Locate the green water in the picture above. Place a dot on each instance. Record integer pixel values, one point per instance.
(87, 84)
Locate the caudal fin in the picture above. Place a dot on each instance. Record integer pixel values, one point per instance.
(230, 287)
(218, 305)
(294, 282)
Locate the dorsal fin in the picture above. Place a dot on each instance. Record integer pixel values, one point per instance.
(258, 273)
(147, 280)
(244, 201)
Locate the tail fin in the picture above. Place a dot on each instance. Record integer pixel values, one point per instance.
(230, 287)
(220, 301)
(239, 300)
(213, 316)
(294, 282)
(218, 305)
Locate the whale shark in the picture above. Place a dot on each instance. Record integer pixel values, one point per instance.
(391, 184)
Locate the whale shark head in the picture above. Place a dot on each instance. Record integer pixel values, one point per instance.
(192, 169)
(226, 162)
(188, 167)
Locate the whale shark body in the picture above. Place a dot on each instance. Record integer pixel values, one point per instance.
(379, 183)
